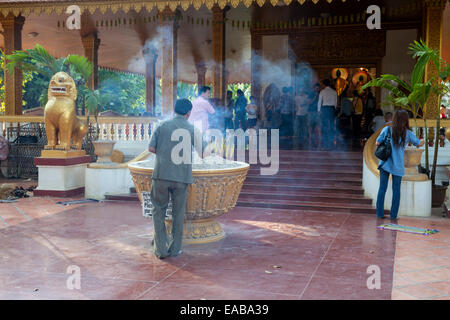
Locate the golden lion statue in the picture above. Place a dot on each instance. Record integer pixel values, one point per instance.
(64, 130)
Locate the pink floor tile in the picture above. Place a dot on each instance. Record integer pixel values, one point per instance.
(317, 256)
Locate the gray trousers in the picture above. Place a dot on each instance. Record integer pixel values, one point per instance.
(161, 189)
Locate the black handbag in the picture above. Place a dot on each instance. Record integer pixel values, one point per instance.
(384, 150)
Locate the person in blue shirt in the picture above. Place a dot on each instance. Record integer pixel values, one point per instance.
(401, 136)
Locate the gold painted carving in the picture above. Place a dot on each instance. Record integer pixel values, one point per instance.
(433, 21)
(37, 7)
(212, 194)
(64, 130)
(343, 45)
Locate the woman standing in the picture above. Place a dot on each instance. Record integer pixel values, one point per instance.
(401, 136)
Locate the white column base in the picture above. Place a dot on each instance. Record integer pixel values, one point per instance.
(415, 199)
(100, 182)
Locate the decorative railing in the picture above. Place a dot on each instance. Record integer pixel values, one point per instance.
(111, 128)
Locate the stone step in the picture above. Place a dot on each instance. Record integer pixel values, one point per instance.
(319, 154)
(310, 206)
(304, 181)
(286, 163)
(306, 197)
(282, 188)
(122, 197)
(309, 174)
(350, 169)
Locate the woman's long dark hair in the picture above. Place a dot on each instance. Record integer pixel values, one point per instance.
(400, 123)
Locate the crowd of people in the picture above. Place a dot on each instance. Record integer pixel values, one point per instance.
(236, 113)
(315, 118)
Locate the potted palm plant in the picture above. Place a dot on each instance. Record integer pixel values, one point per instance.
(440, 89)
(413, 96)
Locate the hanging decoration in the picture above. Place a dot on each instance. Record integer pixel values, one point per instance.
(50, 7)
(344, 73)
(354, 18)
(360, 78)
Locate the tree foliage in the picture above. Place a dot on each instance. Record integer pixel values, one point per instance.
(27, 77)
(245, 87)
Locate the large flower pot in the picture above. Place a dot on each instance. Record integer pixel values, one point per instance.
(412, 161)
(215, 191)
(103, 150)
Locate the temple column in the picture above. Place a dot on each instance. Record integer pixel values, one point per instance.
(168, 60)
(201, 74)
(433, 22)
(91, 43)
(218, 52)
(256, 47)
(150, 57)
(378, 89)
(12, 37)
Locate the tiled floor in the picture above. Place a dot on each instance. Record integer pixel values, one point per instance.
(267, 254)
(422, 263)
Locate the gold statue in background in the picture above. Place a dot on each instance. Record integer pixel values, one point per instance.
(340, 83)
(64, 130)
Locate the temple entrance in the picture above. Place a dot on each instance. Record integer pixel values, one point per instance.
(348, 58)
(354, 113)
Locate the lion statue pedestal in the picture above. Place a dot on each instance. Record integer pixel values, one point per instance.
(62, 165)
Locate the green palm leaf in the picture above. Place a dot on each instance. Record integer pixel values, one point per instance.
(81, 65)
(385, 81)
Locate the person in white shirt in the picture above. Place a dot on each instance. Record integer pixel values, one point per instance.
(378, 121)
(326, 107)
(201, 108)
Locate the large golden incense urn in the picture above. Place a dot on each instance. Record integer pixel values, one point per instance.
(214, 192)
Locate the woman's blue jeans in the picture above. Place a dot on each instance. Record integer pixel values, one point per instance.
(396, 184)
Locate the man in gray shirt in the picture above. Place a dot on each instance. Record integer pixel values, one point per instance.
(171, 177)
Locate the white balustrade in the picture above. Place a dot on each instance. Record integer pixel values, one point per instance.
(111, 128)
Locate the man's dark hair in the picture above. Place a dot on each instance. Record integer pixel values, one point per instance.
(326, 82)
(183, 106)
(240, 92)
(203, 89)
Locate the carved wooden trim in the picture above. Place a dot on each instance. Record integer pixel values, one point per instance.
(349, 46)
